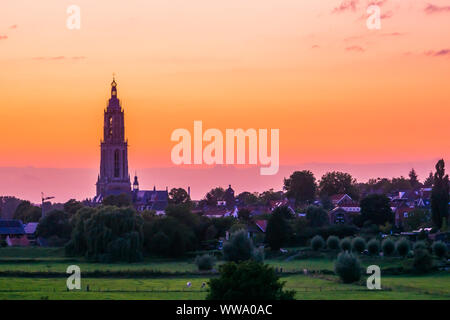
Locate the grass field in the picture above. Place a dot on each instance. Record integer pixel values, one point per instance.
(171, 286)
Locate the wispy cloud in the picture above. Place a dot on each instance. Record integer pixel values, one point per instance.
(3, 37)
(355, 49)
(347, 5)
(439, 53)
(431, 8)
(14, 26)
(316, 46)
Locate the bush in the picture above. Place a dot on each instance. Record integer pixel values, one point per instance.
(420, 245)
(205, 262)
(347, 267)
(333, 242)
(346, 244)
(402, 246)
(388, 247)
(439, 249)
(374, 247)
(358, 244)
(240, 248)
(423, 261)
(317, 243)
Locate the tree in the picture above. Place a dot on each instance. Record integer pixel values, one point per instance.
(216, 194)
(244, 215)
(239, 247)
(72, 206)
(178, 196)
(413, 180)
(109, 234)
(246, 198)
(337, 182)
(440, 195)
(416, 219)
(270, 195)
(347, 267)
(301, 186)
(317, 216)
(26, 212)
(278, 230)
(55, 224)
(121, 200)
(247, 281)
(376, 209)
(429, 181)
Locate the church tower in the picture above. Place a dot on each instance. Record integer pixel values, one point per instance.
(114, 178)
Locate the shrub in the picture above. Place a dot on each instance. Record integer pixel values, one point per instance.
(402, 246)
(374, 247)
(388, 247)
(439, 249)
(247, 280)
(358, 244)
(423, 261)
(205, 262)
(240, 248)
(333, 242)
(317, 243)
(346, 244)
(347, 267)
(420, 245)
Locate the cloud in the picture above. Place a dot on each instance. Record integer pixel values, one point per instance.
(393, 34)
(386, 15)
(431, 8)
(14, 26)
(347, 5)
(355, 49)
(316, 46)
(3, 37)
(439, 53)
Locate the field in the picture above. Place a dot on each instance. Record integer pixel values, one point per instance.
(39, 273)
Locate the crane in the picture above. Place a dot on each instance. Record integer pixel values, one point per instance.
(43, 201)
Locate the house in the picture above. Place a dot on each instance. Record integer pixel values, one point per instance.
(341, 216)
(12, 232)
(281, 203)
(401, 213)
(155, 200)
(30, 231)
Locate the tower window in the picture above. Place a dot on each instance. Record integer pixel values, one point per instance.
(116, 164)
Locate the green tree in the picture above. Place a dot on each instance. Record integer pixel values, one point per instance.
(347, 267)
(121, 200)
(248, 280)
(26, 212)
(278, 230)
(239, 248)
(317, 216)
(55, 224)
(337, 182)
(244, 215)
(440, 195)
(178, 196)
(416, 219)
(216, 194)
(72, 206)
(247, 198)
(413, 179)
(376, 209)
(301, 186)
(429, 181)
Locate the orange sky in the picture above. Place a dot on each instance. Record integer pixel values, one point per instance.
(337, 91)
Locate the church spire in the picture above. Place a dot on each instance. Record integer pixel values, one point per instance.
(114, 87)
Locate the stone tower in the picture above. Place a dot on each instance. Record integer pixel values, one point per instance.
(114, 178)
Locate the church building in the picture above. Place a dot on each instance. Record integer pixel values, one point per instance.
(114, 178)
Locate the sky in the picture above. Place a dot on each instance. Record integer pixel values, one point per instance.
(340, 94)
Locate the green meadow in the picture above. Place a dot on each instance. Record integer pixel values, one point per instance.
(136, 281)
